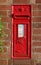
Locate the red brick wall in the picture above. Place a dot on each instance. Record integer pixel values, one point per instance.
(5, 11)
(36, 29)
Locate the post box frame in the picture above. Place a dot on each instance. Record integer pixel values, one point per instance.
(29, 55)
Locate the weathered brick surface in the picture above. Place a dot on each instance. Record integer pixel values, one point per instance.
(36, 43)
(6, 43)
(6, 54)
(37, 31)
(37, 57)
(38, 26)
(5, 49)
(37, 13)
(21, 1)
(10, 62)
(37, 38)
(36, 19)
(36, 7)
(37, 50)
(3, 13)
(7, 34)
(5, 7)
(2, 0)
(9, 2)
(5, 25)
(6, 19)
(3, 62)
(22, 62)
(38, 1)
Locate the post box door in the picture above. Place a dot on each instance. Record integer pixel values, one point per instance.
(20, 42)
(21, 39)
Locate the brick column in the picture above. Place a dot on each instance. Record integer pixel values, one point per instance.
(36, 29)
(5, 9)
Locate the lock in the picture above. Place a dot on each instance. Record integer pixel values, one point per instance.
(21, 31)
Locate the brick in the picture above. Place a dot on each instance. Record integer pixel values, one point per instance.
(37, 31)
(5, 7)
(33, 1)
(6, 43)
(36, 43)
(37, 38)
(36, 19)
(4, 49)
(36, 13)
(38, 63)
(9, 12)
(6, 19)
(37, 25)
(10, 62)
(5, 25)
(21, 62)
(2, 0)
(7, 35)
(8, 32)
(6, 55)
(21, 1)
(36, 7)
(10, 26)
(3, 62)
(37, 50)
(32, 62)
(38, 1)
(3, 13)
(10, 1)
(37, 56)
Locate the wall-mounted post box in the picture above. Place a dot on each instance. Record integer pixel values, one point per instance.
(21, 31)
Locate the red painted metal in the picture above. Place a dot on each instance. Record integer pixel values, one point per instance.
(21, 46)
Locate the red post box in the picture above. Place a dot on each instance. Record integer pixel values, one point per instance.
(21, 31)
